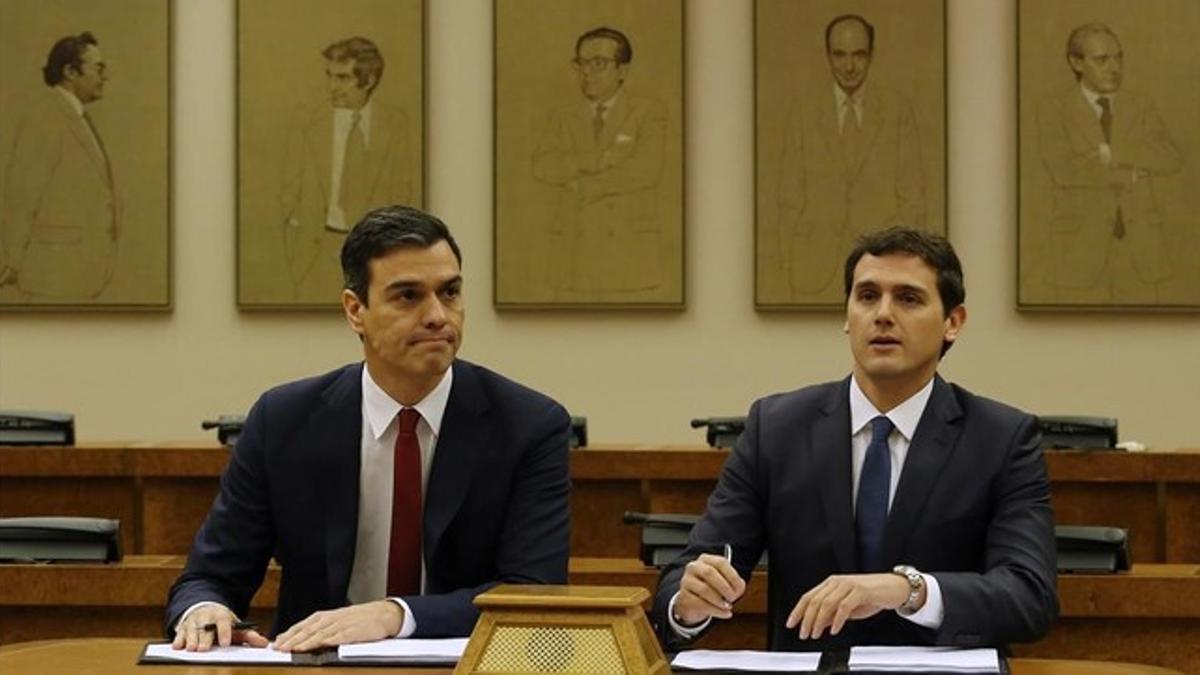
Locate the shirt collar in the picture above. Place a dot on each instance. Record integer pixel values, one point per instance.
(904, 416)
(382, 409)
(841, 97)
(75, 104)
(1093, 98)
(364, 115)
(608, 105)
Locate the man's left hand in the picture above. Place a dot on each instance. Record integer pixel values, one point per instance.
(841, 598)
(367, 622)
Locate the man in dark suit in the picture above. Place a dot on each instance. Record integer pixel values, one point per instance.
(896, 508)
(390, 492)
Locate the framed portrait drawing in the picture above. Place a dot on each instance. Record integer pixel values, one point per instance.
(850, 136)
(331, 121)
(1108, 142)
(84, 154)
(589, 154)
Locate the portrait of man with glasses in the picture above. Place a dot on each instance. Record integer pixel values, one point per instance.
(603, 155)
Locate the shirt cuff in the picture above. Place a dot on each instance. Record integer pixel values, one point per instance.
(187, 612)
(933, 612)
(409, 625)
(685, 632)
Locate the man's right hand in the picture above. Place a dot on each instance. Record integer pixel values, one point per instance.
(191, 635)
(709, 588)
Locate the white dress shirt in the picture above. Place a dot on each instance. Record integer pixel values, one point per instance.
(905, 418)
(368, 577)
(343, 120)
(845, 102)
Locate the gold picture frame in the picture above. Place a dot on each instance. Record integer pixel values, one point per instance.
(1107, 199)
(331, 120)
(85, 214)
(589, 154)
(820, 181)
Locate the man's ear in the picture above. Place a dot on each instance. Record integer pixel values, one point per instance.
(954, 323)
(353, 308)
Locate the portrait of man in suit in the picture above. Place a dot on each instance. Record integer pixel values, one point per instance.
(390, 491)
(850, 161)
(61, 217)
(604, 156)
(1103, 147)
(896, 508)
(343, 157)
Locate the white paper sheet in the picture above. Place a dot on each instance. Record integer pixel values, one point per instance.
(231, 654)
(921, 659)
(728, 659)
(406, 650)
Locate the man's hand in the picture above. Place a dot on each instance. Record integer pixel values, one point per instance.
(191, 635)
(850, 597)
(367, 622)
(709, 588)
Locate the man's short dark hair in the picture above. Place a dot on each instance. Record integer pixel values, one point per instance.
(933, 249)
(68, 51)
(624, 49)
(384, 230)
(368, 61)
(852, 17)
(1076, 38)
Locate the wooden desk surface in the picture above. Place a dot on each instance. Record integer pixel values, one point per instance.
(102, 656)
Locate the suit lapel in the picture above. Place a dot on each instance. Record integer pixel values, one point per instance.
(334, 436)
(317, 138)
(830, 443)
(613, 120)
(83, 135)
(1085, 122)
(872, 124)
(466, 429)
(381, 139)
(932, 444)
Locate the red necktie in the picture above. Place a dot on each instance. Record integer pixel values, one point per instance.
(404, 551)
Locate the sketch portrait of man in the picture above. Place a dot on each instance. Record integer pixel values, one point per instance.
(604, 156)
(342, 157)
(1103, 147)
(850, 163)
(60, 219)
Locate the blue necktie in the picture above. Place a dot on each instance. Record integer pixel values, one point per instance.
(874, 483)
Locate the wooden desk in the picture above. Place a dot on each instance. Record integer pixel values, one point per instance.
(102, 656)
(1145, 616)
(161, 492)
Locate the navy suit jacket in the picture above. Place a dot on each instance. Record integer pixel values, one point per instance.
(972, 508)
(495, 507)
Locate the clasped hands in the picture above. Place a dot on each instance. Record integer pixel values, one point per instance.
(364, 622)
(710, 586)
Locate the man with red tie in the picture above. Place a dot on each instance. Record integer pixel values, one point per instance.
(391, 492)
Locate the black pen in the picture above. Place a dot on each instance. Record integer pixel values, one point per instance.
(237, 625)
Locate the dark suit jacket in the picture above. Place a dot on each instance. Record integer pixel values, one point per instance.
(972, 508)
(495, 506)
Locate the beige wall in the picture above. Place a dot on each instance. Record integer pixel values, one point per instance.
(638, 377)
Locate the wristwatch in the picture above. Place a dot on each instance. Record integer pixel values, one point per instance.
(915, 583)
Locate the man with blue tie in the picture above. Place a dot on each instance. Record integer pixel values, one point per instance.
(393, 491)
(896, 508)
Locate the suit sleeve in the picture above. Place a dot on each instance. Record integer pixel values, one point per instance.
(910, 183)
(734, 515)
(536, 538)
(229, 556)
(1014, 599)
(555, 159)
(1068, 164)
(1152, 151)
